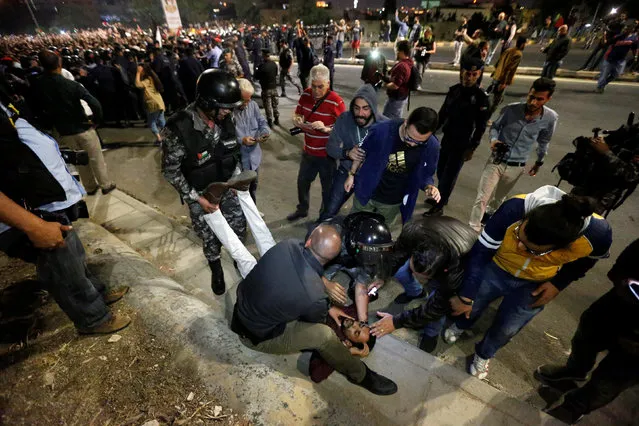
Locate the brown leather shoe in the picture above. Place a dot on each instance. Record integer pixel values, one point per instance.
(242, 181)
(115, 294)
(116, 323)
(215, 191)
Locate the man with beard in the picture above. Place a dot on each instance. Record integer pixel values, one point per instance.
(463, 116)
(202, 161)
(512, 137)
(343, 144)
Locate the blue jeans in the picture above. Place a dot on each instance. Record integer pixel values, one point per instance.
(393, 107)
(513, 314)
(338, 196)
(550, 69)
(412, 287)
(156, 121)
(609, 71)
(340, 49)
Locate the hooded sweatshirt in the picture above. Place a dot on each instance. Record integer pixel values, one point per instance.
(498, 242)
(346, 133)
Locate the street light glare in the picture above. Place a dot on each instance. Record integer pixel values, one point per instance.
(613, 10)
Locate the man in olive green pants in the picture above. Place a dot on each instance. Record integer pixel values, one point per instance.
(282, 307)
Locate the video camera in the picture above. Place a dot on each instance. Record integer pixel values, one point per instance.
(500, 153)
(609, 175)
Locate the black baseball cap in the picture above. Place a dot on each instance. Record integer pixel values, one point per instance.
(470, 63)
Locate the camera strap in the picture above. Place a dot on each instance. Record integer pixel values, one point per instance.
(317, 105)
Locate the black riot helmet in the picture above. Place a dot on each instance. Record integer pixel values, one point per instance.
(217, 89)
(368, 239)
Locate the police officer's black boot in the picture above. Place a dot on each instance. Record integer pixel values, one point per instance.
(217, 277)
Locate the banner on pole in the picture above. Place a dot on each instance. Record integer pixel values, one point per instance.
(172, 14)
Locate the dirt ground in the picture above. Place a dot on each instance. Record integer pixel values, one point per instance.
(51, 375)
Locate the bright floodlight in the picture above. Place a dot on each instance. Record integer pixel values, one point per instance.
(613, 10)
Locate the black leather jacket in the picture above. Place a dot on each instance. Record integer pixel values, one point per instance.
(454, 239)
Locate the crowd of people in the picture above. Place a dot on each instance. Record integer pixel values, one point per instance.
(526, 248)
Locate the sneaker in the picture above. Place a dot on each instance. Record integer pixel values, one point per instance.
(283, 95)
(404, 298)
(93, 191)
(114, 295)
(108, 189)
(452, 334)
(276, 121)
(115, 323)
(550, 373)
(599, 90)
(479, 367)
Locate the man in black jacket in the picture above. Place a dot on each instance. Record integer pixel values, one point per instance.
(281, 307)
(56, 103)
(266, 74)
(286, 62)
(611, 323)
(463, 117)
(556, 52)
(432, 251)
(188, 72)
(329, 58)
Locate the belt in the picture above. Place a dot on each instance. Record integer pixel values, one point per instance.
(513, 163)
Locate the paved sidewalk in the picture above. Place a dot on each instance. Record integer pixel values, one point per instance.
(273, 390)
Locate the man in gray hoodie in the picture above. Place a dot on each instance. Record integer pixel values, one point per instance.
(349, 131)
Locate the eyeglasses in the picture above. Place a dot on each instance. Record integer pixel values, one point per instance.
(529, 250)
(407, 138)
(634, 288)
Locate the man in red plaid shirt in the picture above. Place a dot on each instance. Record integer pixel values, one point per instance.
(316, 112)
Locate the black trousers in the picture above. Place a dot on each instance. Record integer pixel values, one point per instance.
(451, 161)
(600, 329)
(310, 166)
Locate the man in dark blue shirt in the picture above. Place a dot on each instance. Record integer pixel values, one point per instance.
(282, 305)
(615, 57)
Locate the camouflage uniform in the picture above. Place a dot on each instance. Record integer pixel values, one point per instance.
(270, 101)
(174, 154)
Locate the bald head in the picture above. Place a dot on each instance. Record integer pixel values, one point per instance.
(563, 30)
(325, 243)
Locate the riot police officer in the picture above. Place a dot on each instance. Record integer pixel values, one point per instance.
(366, 257)
(200, 148)
(463, 117)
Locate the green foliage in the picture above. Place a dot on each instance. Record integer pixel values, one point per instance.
(307, 12)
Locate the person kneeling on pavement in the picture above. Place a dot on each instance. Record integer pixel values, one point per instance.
(33, 175)
(201, 159)
(533, 247)
(432, 252)
(611, 323)
(282, 306)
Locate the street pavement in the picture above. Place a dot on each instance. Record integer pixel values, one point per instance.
(136, 170)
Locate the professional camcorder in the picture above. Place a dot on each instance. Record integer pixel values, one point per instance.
(609, 177)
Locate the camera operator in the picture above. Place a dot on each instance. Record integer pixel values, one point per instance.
(33, 175)
(617, 173)
(513, 135)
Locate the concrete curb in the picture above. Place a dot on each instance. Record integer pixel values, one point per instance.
(271, 390)
(563, 73)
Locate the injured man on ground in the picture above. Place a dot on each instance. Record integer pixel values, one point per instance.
(282, 308)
